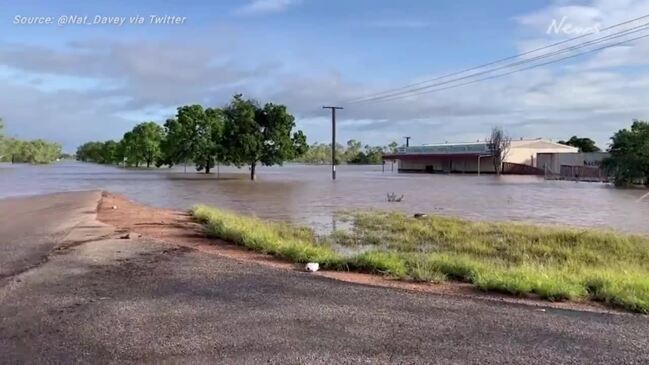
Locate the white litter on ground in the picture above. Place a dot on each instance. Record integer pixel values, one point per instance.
(312, 267)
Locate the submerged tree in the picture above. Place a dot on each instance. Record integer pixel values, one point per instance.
(147, 137)
(35, 151)
(498, 144)
(255, 135)
(354, 148)
(90, 152)
(110, 153)
(128, 149)
(629, 161)
(195, 134)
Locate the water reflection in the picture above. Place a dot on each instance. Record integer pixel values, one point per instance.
(306, 194)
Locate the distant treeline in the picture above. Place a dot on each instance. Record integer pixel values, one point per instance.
(241, 133)
(18, 151)
(353, 153)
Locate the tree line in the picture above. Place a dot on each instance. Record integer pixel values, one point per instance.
(352, 153)
(240, 133)
(35, 151)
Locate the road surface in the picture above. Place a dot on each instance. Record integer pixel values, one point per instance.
(72, 291)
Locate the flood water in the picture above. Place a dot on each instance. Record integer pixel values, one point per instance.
(306, 194)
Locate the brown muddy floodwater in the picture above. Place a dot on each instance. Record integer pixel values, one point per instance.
(306, 194)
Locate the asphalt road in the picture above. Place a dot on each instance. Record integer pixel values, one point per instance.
(100, 300)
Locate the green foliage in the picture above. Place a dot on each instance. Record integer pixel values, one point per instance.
(354, 147)
(110, 152)
(295, 244)
(320, 153)
(629, 161)
(128, 148)
(518, 259)
(584, 144)
(140, 145)
(36, 151)
(146, 139)
(195, 134)
(241, 133)
(353, 153)
(370, 156)
(255, 135)
(90, 152)
(107, 152)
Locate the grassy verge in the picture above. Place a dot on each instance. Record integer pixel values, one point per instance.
(519, 259)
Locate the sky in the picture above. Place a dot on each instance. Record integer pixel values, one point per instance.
(72, 83)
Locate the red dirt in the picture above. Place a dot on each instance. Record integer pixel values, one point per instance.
(179, 228)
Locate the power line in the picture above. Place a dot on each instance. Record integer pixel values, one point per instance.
(391, 91)
(518, 70)
(518, 63)
(619, 34)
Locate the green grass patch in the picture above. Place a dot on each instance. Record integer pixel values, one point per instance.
(294, 243)
(519, 259)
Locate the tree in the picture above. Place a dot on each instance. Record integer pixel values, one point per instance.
(147, 137)
(353, 149)
(584, 144)
(370, 155)
(194, 134)
(254, 135)
(629, 160)
(36, 151)
(392, 147)
(172, 148)
(498, 144)
(90, 152)
(128, 149)
(110, 152)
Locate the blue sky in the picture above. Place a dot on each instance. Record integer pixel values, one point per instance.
(75, 83)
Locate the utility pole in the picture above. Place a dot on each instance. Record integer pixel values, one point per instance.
(333, 138)
(407, 141)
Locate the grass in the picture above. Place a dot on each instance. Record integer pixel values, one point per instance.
(513, 258)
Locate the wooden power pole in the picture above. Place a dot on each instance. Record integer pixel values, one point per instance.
(333, 138)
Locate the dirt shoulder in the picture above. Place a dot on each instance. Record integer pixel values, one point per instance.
(179, 228)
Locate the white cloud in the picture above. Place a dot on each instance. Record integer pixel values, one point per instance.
(265, 6)
(593, 96)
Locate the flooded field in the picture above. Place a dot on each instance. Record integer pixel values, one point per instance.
(305, 194)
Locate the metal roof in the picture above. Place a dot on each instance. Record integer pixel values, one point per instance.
(447, 149)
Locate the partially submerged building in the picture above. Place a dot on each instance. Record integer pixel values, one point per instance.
(476, 157)
(574, 166)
